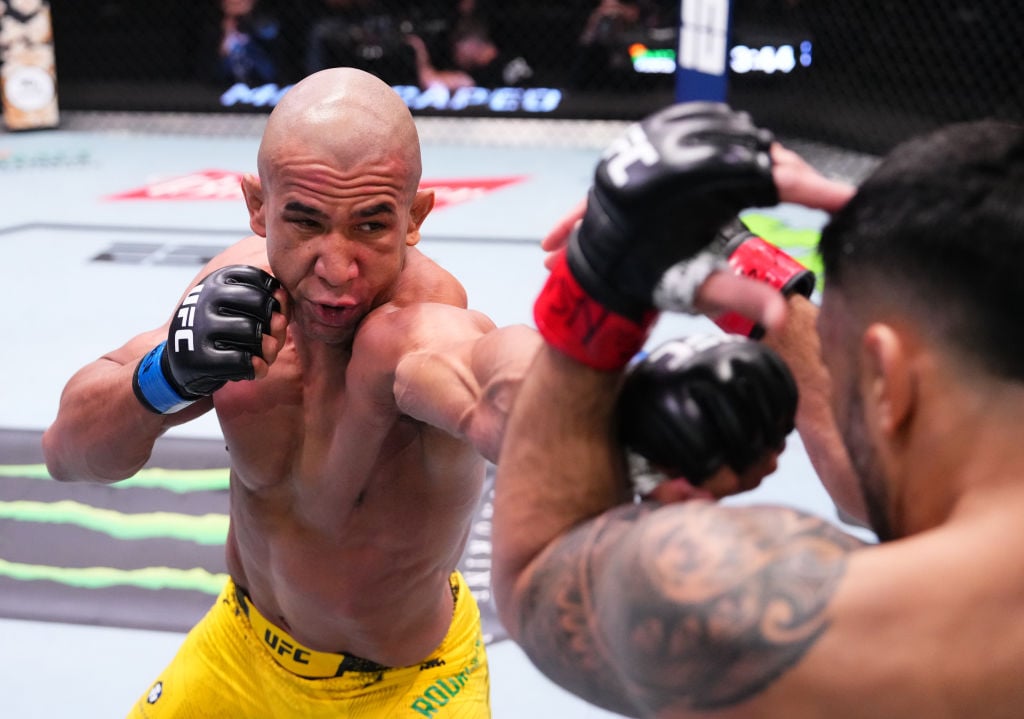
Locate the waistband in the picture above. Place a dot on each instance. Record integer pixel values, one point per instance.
(303, 661)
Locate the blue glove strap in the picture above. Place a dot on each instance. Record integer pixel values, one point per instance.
(152, 388)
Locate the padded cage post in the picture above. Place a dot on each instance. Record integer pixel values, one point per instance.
(703, 52)
(28, 74)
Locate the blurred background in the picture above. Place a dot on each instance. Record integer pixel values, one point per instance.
(148, 111)
(857, 74)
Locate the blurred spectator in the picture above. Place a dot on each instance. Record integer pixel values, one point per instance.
(602, 59)
(476, 53)
(465, 54)
(243, 45)
(367, 34)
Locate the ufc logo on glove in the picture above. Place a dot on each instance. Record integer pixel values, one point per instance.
(631, 148)
(187, 315)
(219, 328)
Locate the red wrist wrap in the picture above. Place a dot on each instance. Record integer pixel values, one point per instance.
(577, 325)
(760, 260)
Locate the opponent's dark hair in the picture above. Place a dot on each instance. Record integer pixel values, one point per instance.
(939, 228)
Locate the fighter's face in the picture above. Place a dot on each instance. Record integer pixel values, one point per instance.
(337, 242)
(864, 458)
(839, 336)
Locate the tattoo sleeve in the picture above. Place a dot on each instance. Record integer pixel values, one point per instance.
(693, 604)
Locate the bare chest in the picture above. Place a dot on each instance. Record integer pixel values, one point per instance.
(328, 458)
(334, 504)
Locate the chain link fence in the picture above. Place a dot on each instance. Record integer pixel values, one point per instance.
(882, 70)
(855, 74)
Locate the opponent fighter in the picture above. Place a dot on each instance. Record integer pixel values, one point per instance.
(694, 609)
(359, 399)
(739, 251)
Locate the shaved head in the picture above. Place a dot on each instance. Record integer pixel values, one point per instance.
(346, 116)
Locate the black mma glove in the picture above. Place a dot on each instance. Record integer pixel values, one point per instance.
(697, 404)
(211, 340)
(738, 249)
(660, 194)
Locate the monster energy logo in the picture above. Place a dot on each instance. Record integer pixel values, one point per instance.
(209, 530)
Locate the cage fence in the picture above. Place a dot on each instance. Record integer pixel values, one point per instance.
(853, 77)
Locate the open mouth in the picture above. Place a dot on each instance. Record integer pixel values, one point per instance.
(333, 315)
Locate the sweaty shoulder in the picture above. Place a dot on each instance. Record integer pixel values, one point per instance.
(423, 280)
(398, 330)
(426, 318)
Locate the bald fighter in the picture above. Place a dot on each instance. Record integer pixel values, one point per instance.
(359, 399)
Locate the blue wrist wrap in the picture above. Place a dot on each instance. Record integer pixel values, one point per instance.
(152, 388)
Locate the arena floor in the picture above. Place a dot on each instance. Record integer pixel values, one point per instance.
(104, 221)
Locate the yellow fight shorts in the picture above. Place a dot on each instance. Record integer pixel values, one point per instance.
(234, 663)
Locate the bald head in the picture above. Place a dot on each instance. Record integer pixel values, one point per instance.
(345, 116)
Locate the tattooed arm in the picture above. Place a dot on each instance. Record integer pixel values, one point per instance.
(558, 435)
(639, 607)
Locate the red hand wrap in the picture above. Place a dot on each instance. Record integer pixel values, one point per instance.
(575, 324)
(760, 260)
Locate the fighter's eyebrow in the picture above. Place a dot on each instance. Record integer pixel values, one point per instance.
(295, 206)
(384, 208)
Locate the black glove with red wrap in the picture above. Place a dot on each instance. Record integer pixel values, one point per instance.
(735, 247)
(660, 194)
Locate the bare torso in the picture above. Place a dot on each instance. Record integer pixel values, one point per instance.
(347, 517)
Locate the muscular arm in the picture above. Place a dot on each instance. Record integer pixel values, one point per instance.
(796, 340)
(797, 343)
(102, 433)
(559, 467)
(458, 372)
(632, 606)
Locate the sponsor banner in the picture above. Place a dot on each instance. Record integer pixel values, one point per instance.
(458, 191)
(201, 185)
(62, 159)
(498, 100)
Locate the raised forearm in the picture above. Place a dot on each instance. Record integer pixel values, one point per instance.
(559, 466)
(797, 342)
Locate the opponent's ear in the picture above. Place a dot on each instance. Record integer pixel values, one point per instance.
(252, 189)
(422, 204)
(887, 377)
